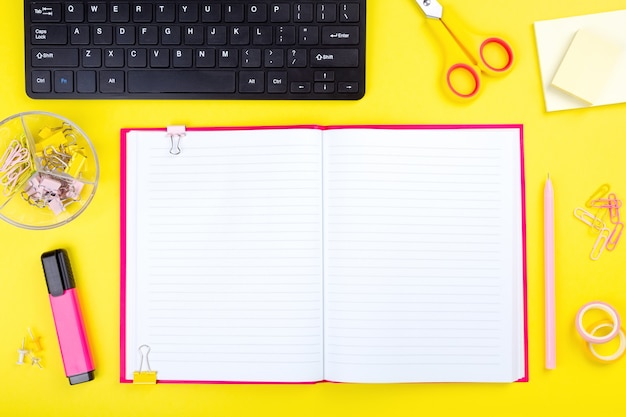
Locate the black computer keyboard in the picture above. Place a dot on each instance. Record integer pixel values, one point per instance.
(202, 49)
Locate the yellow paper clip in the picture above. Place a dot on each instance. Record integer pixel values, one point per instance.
(148, 376)
(75, 165)
(599, 193)
(55, 139)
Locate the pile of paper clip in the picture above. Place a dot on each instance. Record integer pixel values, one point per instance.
(61, 160)
(15, 165)
(604, 205)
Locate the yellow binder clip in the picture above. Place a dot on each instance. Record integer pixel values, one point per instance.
(148, 376)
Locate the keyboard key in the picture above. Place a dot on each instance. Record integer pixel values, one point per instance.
(120, 12)
(233, 13)
(63, 81)
(165, 13)
(303, 13)
(188, 13)
(142, 12)
(205, 58)
(280, 13)
(137, 58)
(159, 58)
(340, 35)
(103, 35)
(308, 35)
(49, 35)
(251, 82)
(334, 58)
(326, 12)
(148, 35)
(125, 35)
(211, 13)
(348, 87)
(91, 57)
(324, 76)
(257, 13)
(171, 81)
(54, 57)
(170, 35)
(112, 82)
(86, 81)
(74, 12)
(274, 58)
(349, 12)
(45, 12)
(216, 35)
(277, 82)
(96, 12)
(324, 88)
(114, 58)
(193, 35)
(41, 82)
(182, 58)
(251, 58)
(301, 87)
(79, 35)
(228, 58)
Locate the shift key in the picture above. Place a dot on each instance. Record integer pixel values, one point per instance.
(335, 58)
(54, 57)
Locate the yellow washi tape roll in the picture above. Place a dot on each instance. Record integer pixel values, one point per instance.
(620, 349)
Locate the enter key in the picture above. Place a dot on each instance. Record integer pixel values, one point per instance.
(340, 35)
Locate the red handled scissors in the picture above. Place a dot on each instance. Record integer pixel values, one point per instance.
(465, 52)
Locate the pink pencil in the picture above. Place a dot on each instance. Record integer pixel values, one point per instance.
(548, 239)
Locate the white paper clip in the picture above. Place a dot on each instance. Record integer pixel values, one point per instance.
(600, 244)
(589, 219)
(148, 376)
(176, 133)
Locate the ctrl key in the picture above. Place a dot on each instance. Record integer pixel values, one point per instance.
(41, 82)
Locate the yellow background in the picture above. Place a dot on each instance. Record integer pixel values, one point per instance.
(581, 150)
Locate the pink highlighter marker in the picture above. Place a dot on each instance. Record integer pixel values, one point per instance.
(67, 317)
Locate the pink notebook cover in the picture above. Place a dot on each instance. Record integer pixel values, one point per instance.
(123, 176)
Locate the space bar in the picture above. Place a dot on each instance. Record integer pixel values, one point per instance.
(174, 81)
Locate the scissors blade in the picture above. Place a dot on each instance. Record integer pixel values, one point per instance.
(431, 8)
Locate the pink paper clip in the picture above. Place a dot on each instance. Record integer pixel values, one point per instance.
(614, 236)
(614, 208)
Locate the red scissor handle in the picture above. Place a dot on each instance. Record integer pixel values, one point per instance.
(505, 46)
(469, 69)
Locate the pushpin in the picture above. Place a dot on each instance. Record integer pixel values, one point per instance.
(22, 352)
(36, 341)
(35, 361)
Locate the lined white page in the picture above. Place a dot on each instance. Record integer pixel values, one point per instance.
(224, 258)
(423, 255)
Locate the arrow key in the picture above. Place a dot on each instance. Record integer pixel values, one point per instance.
(348, 87)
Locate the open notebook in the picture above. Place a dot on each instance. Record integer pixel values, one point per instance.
(376, 254)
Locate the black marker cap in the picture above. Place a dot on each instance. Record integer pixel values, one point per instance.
(58, 272)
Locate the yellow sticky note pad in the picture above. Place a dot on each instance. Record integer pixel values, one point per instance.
(587, 66)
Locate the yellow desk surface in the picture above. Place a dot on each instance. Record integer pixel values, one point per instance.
(581, 150)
